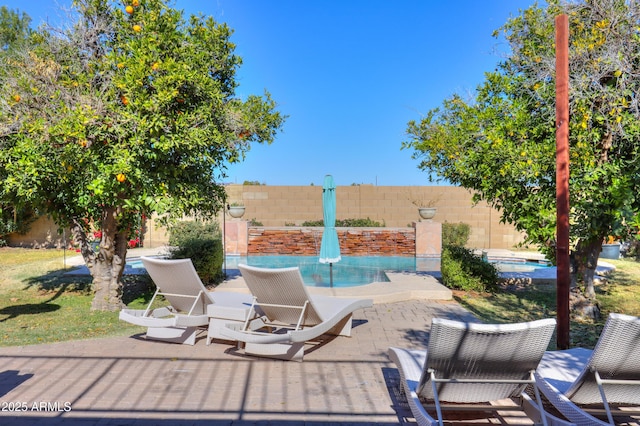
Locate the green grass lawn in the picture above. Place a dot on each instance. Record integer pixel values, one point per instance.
(620, 293)
(39, 304)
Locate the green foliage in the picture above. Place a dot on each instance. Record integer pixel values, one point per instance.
(255, 222)
(313, 223)
(15, 219)
(182, 231)
(207, 257)
(122, 114)
(14, 32)
(463, 270)
(455, 234)
(348, 223)
(358, 223)
(501, 143)
(14, 28)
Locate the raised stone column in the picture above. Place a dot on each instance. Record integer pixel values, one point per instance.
(428, 239)
(236, 237)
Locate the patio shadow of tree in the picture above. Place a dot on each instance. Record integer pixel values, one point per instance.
(133, 286)
(56, 284)
(15, 311)
(49, 282)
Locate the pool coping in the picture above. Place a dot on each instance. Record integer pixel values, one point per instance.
(402, 286)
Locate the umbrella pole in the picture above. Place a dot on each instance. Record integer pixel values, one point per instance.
(331, 274)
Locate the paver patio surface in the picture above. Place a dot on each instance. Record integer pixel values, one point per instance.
(132, 381)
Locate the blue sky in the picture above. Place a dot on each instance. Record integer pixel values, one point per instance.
(350, 74)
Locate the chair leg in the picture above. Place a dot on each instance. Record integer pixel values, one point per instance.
(436, 400)
(604, 398)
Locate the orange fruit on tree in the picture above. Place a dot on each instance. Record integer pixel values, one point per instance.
(137, 28)
(120, 177)
(16, 98)
(129, 9)
(124, 100)
(135, 3)
(120, 65)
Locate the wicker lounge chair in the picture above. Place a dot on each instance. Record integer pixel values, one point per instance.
(469, 367)
(191, 307)
(291, 316)
(579, 381)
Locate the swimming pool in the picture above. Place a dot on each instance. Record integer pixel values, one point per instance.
(515, 266)
(351, 271)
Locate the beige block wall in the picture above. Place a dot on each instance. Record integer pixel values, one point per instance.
(42, 234)
(285, 205)
(392, 205)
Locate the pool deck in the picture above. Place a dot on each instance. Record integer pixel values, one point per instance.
(403, 286)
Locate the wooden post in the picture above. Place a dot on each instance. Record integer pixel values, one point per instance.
(562, 180)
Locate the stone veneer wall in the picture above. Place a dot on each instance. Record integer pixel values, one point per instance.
(353, 241)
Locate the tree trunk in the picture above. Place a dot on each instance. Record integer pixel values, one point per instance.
(106, 266)
(586, 262)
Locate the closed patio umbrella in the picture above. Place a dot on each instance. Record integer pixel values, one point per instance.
(330, 246)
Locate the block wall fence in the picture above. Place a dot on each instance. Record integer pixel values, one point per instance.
(277, 206)
(285, 206)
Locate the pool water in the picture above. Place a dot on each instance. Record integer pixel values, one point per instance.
(514, 266)
(351, 270)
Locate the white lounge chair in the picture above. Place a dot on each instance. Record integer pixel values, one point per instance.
(292, 316)
(467, 364)
(191, 307)
(578, 381)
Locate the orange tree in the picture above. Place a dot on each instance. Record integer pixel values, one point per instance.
(501, 143)
(131, 110)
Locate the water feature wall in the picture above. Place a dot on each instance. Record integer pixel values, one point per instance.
(421, 240)
(377, 241)
(285, 241)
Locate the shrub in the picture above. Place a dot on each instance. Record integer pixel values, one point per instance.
(359, 223)
(191, 229)
(313, 223)
(455, 234)
(348, 223)
(463, 270)
(207, 257)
